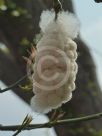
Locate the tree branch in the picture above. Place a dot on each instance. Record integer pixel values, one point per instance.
(53, 123)
(13, 85)
(98, 1)
(57, 7)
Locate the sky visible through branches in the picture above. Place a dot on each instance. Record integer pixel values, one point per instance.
(89, 14)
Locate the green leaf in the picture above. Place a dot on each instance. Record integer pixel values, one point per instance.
(15, 13)
(3, 7)
(24, 41)
(2, 2)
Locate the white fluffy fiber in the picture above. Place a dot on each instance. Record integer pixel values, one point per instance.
(66, 21)
(58, 34)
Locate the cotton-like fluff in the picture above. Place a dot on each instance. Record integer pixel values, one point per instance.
(67, 23)
(55, 66)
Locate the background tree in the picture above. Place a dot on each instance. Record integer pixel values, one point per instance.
(18, 27)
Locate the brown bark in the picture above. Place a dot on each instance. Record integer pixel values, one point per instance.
(87, 98)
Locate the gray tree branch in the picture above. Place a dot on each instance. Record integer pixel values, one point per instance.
(52, 123)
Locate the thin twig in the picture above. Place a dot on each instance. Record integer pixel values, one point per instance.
(53, 123)
(57, 7)
(27, 120)
(13, 85)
